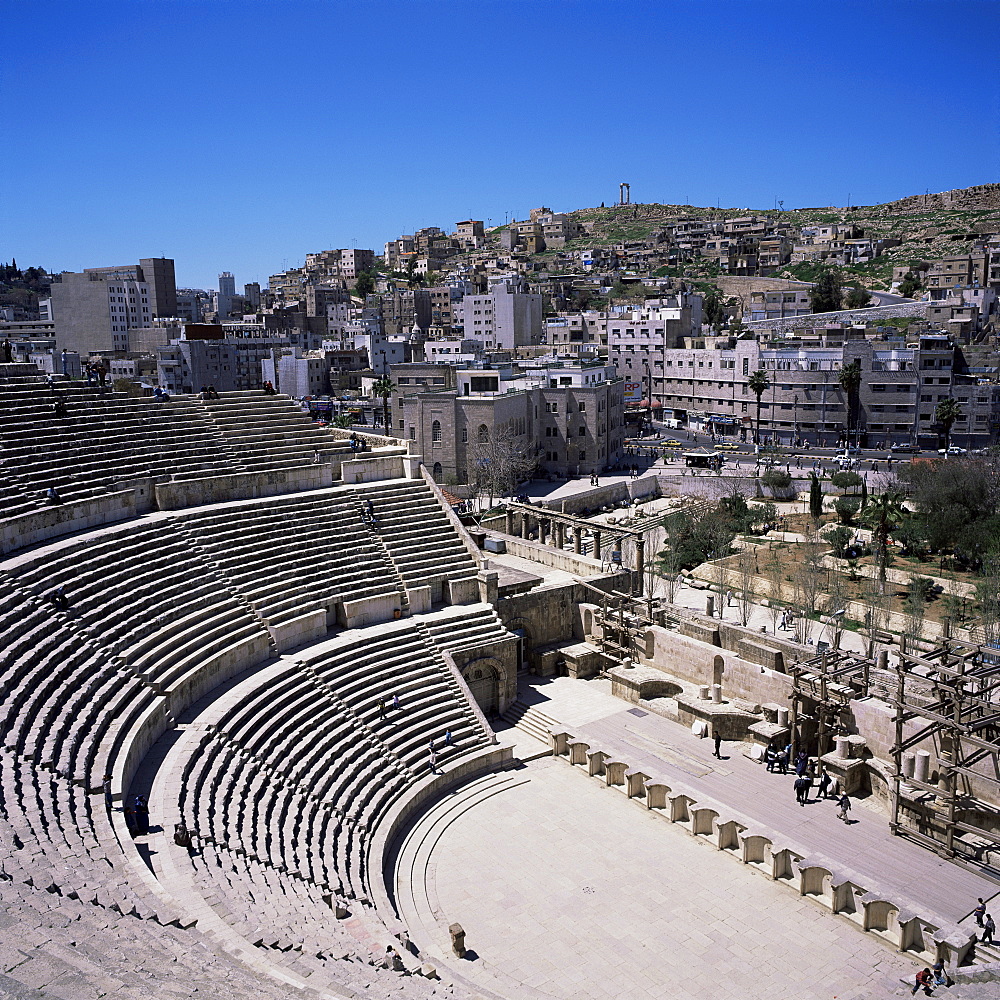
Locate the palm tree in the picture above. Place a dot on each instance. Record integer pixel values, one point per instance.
(758, 384)
(946, 413)
(850, 381)
(384, 387)
(883, 515)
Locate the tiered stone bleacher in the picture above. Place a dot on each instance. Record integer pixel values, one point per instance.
(423, 544)
(294, 769)
(295, 557)
(290, 782)
(270, 432)
(106, 438)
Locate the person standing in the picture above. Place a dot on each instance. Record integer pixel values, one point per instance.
(979, 912)
(940, 979)
(141, 815)
(800, 790)
(845, 808)
(824, 782)
(718, 744)
(989, 929)
(432, 753)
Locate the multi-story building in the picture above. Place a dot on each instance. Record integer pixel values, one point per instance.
(901, 385)
(296, 373)
(777, 303)
(566, 416)
(957, 272)
(505, 318)
(470, 234)
(93, 311)
(204, 356)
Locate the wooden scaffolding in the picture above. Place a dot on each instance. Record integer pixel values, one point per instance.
(822, 689)
(948, 700)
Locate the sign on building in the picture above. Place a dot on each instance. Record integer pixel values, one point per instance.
(633, 391)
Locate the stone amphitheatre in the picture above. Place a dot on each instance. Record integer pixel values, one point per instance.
(385, 755)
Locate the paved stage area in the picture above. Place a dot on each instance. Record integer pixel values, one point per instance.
(568, 890)
(667, 749)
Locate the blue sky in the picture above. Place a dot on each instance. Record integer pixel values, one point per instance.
(241, 135)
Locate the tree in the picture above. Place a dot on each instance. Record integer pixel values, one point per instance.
(827, 294)
(849, 378)
(501, 462)
(365, 284)
(858, 297)
(384, 387)
(746, 565)
(883, 515)
(946, 413)
(846, 480)
(910, 284)
(839, 539)
(758, 384)
(815, 497)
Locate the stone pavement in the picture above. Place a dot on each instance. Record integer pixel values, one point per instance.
(567, 890)
(665, 748)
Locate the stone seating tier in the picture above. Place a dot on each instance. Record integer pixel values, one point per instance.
(420, 538)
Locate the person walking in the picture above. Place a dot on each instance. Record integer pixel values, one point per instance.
(141, 815)
(808, 779)
(824, 782)
(395, 703)
(845, 808)
(922, 980)
(989, 929)
(979, 912)
(801, 763)
(718, 744)
(381, 709)
(447, 738)
(800, 785)
(432, 754)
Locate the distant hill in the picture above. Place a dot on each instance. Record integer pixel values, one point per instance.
(930, 225)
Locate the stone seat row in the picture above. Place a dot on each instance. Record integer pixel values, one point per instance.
(95, 940)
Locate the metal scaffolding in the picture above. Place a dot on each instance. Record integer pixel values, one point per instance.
(952, 695)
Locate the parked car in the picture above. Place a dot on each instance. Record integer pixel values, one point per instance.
(953, 450)
(906, 447)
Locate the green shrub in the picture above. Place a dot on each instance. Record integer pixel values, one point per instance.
(846, 508)
(776, 479)
(839, 538)
(846, 480)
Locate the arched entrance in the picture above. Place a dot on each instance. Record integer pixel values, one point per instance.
(484, 686)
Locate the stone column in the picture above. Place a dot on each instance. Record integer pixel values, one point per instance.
(843, 747)
(717, 694)
(560, 535)
(908, 764)
(640, 552)
(710, 605)
(921, 765)
(509, 521)
(597, 544)
(577, 539)
(783, 717)
(525, 524)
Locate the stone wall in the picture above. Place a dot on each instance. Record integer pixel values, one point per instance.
(873, 314)
(52, 522)
(242, 486)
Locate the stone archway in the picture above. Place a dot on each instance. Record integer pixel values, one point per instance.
(484, 686)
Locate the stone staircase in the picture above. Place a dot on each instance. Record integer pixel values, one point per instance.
(530, 720)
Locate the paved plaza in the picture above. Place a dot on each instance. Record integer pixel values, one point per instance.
(668, 750)
(567, 890)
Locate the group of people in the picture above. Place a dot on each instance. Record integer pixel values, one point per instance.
(208, 392)
(777, 759)
(432, 758)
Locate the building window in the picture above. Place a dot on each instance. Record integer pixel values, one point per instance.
(483, 434)
(413, 433)
(436, 431)
(465, 435)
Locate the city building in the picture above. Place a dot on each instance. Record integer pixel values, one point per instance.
(567, 417)
(95, 310)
